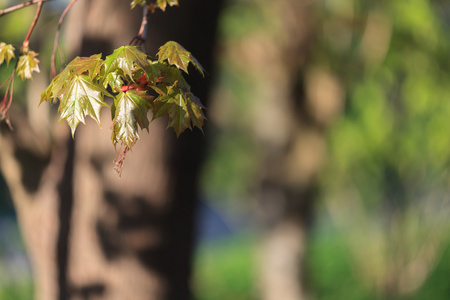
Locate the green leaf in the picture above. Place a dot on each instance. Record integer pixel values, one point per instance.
(178, 56)
(80, 98)
(135, 3)
(162, 4)
(126, 59)
(183, 107)
(78, 66)
(6, 53)
(113, 80)
(130, 110)
(91, 65)
(28, 63)
(155, 69)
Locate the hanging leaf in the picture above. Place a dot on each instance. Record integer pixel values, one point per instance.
(130, 110)
(80, 98)
(28, 63)
(155, 70)
(6, 53)
(90, 65)
(183, 107)
(126, 60)
(162, 4)
(178, 56)
(135, 3)
(113, 80)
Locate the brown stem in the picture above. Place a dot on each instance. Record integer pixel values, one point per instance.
(55, 43)
(36, 18)
(119, 160)
(144, 24)
(19, 6)
(6, 103)
(142, 34)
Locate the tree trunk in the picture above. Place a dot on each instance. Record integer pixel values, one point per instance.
(89, 233)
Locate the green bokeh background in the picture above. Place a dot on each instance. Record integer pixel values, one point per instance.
(388, 154)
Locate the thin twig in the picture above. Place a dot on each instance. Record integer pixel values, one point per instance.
(5, 104)
(142, 34)
(119, 160)
(36, 18)
(144, 24)
(55, 43)
(19, 6)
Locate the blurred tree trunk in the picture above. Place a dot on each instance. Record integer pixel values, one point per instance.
(291, 107)
(89, 233)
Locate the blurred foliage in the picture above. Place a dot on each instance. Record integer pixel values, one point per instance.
(332, 276)
(386, 182)
(227, 269)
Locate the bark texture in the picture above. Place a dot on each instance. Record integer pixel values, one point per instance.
(90, 234)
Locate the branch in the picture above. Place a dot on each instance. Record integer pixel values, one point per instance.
(6, 102)
(36, 18)
(144, 24)
(19, 6)
(142, 34)
(55, 44)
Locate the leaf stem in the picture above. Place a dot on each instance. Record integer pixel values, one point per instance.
(36, 18)
(19, 6)
(120, 159)
(55, 43)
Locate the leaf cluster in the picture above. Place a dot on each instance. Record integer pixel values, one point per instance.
(26, 64)
(161, 4)
(136, 83)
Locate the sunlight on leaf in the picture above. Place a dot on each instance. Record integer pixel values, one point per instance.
(81, 98)
(178, 56)
(28, 63)
(183, 107)
(126, 60)
(6, 53)
(163, 3)
(130, 110)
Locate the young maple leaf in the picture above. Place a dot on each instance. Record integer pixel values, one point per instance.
(80, 98)
(163, 3)
(91, 65)
(184, 109)
(178, 56)
(28, 63)
(126, 59)
(130, 110)
(6, 53)
(135, 3)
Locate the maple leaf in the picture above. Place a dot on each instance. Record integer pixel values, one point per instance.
(80, 98)
(126, 59)
(156, 69)
(53, 91)
(27, 64)
(178, 56)
(91, 65)
(162, 4)
(113, 80)
(135, 3)
(78, 66)
(6, 53)
(183, 107)
(130, 110)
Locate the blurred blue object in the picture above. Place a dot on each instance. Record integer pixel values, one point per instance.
(212, 223)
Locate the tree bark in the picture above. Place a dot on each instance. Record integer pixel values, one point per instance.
(89, 233)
